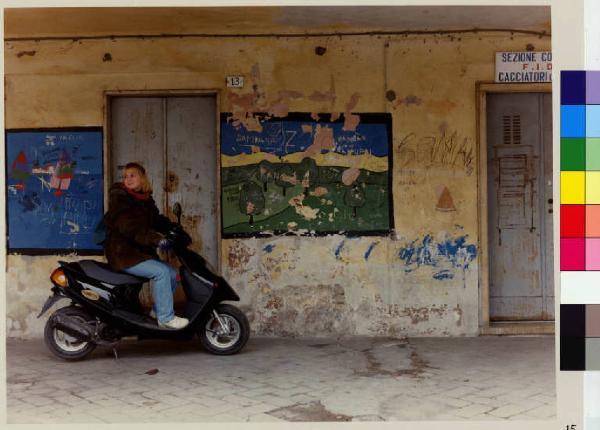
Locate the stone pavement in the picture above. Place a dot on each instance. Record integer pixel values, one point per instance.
(283, 379)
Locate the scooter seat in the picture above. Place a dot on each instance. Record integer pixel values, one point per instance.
(102, 272)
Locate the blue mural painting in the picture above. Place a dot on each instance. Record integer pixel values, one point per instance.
(54, 189)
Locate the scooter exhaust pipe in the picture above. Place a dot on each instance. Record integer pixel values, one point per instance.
(73, 327)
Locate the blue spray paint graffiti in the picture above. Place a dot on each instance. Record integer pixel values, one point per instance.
(30, 201)
(456, 252)
(269, 248)
(420, 254)
(338, 250)
(443, 274)
(371, 247)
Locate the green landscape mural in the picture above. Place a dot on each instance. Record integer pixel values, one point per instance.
(299, 175)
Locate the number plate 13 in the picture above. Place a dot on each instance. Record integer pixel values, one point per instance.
(235, 82)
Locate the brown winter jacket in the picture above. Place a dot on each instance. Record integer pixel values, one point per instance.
(133, 228)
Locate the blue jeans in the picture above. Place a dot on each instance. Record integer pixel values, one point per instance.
(164, 282)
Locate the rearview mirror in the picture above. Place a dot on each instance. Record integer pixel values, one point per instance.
(177, 212)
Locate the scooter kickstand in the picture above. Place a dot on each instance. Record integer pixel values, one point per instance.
(115, 353)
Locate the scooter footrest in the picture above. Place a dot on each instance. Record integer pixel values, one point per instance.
(142, 320)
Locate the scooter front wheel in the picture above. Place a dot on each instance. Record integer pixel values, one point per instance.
(62, 344)
(227, 336)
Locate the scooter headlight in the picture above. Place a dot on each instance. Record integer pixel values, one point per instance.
(58, 277)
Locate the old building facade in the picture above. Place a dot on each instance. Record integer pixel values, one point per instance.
(464, 209)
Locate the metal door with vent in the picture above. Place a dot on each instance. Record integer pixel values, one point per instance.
(175, 139)
(519, 139)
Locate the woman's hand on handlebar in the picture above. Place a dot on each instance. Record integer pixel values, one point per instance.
(178, 236)
(165, 244)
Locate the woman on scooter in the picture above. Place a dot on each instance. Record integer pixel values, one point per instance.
(134, 229)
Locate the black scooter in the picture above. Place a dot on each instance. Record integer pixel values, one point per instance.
(105, 306)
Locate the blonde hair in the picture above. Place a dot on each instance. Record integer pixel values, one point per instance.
(145, 186)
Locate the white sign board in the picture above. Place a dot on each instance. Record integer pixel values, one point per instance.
(235, 82)
(523, 67)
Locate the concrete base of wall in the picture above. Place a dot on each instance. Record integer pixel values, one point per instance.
(518, 328)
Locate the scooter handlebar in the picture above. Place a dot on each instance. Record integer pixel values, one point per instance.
(178, 236)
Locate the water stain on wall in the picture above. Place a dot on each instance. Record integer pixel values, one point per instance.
(318, 96)
(351, 120)
(440, 107)
(28, 53)
(420, 314)
(306, 310)
(410, 100)
(239, 255)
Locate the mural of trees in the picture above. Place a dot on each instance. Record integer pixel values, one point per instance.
(340, 189)
(355, 198)
(285, 177)
(266, 173)
(308, 172)
(252, 200)
(291, 178)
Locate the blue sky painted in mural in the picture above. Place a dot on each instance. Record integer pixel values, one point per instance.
(287, 137)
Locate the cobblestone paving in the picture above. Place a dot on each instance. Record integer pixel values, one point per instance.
(282, 379)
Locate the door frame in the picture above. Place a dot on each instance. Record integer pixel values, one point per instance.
(483, 88)
(108, 95)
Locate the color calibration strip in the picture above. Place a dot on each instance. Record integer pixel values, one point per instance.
(580, 220)
(579, 337)
(580, 171)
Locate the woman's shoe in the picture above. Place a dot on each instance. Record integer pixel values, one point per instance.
(175, 323)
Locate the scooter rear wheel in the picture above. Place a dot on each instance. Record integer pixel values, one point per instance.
(230, 340)
(63, 345)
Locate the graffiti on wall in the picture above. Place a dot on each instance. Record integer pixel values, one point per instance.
(445, 202)
(445, 255)
(443, 148)
(54, 189)
(306, 174)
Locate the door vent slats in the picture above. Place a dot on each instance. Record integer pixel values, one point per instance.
(511, 129)
(516, 129)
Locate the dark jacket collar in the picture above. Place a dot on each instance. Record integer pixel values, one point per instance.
(138, 196)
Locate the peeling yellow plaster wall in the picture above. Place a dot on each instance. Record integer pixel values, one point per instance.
(27, 288)
(298, 285)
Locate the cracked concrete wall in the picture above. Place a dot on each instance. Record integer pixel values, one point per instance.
(423, 280)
